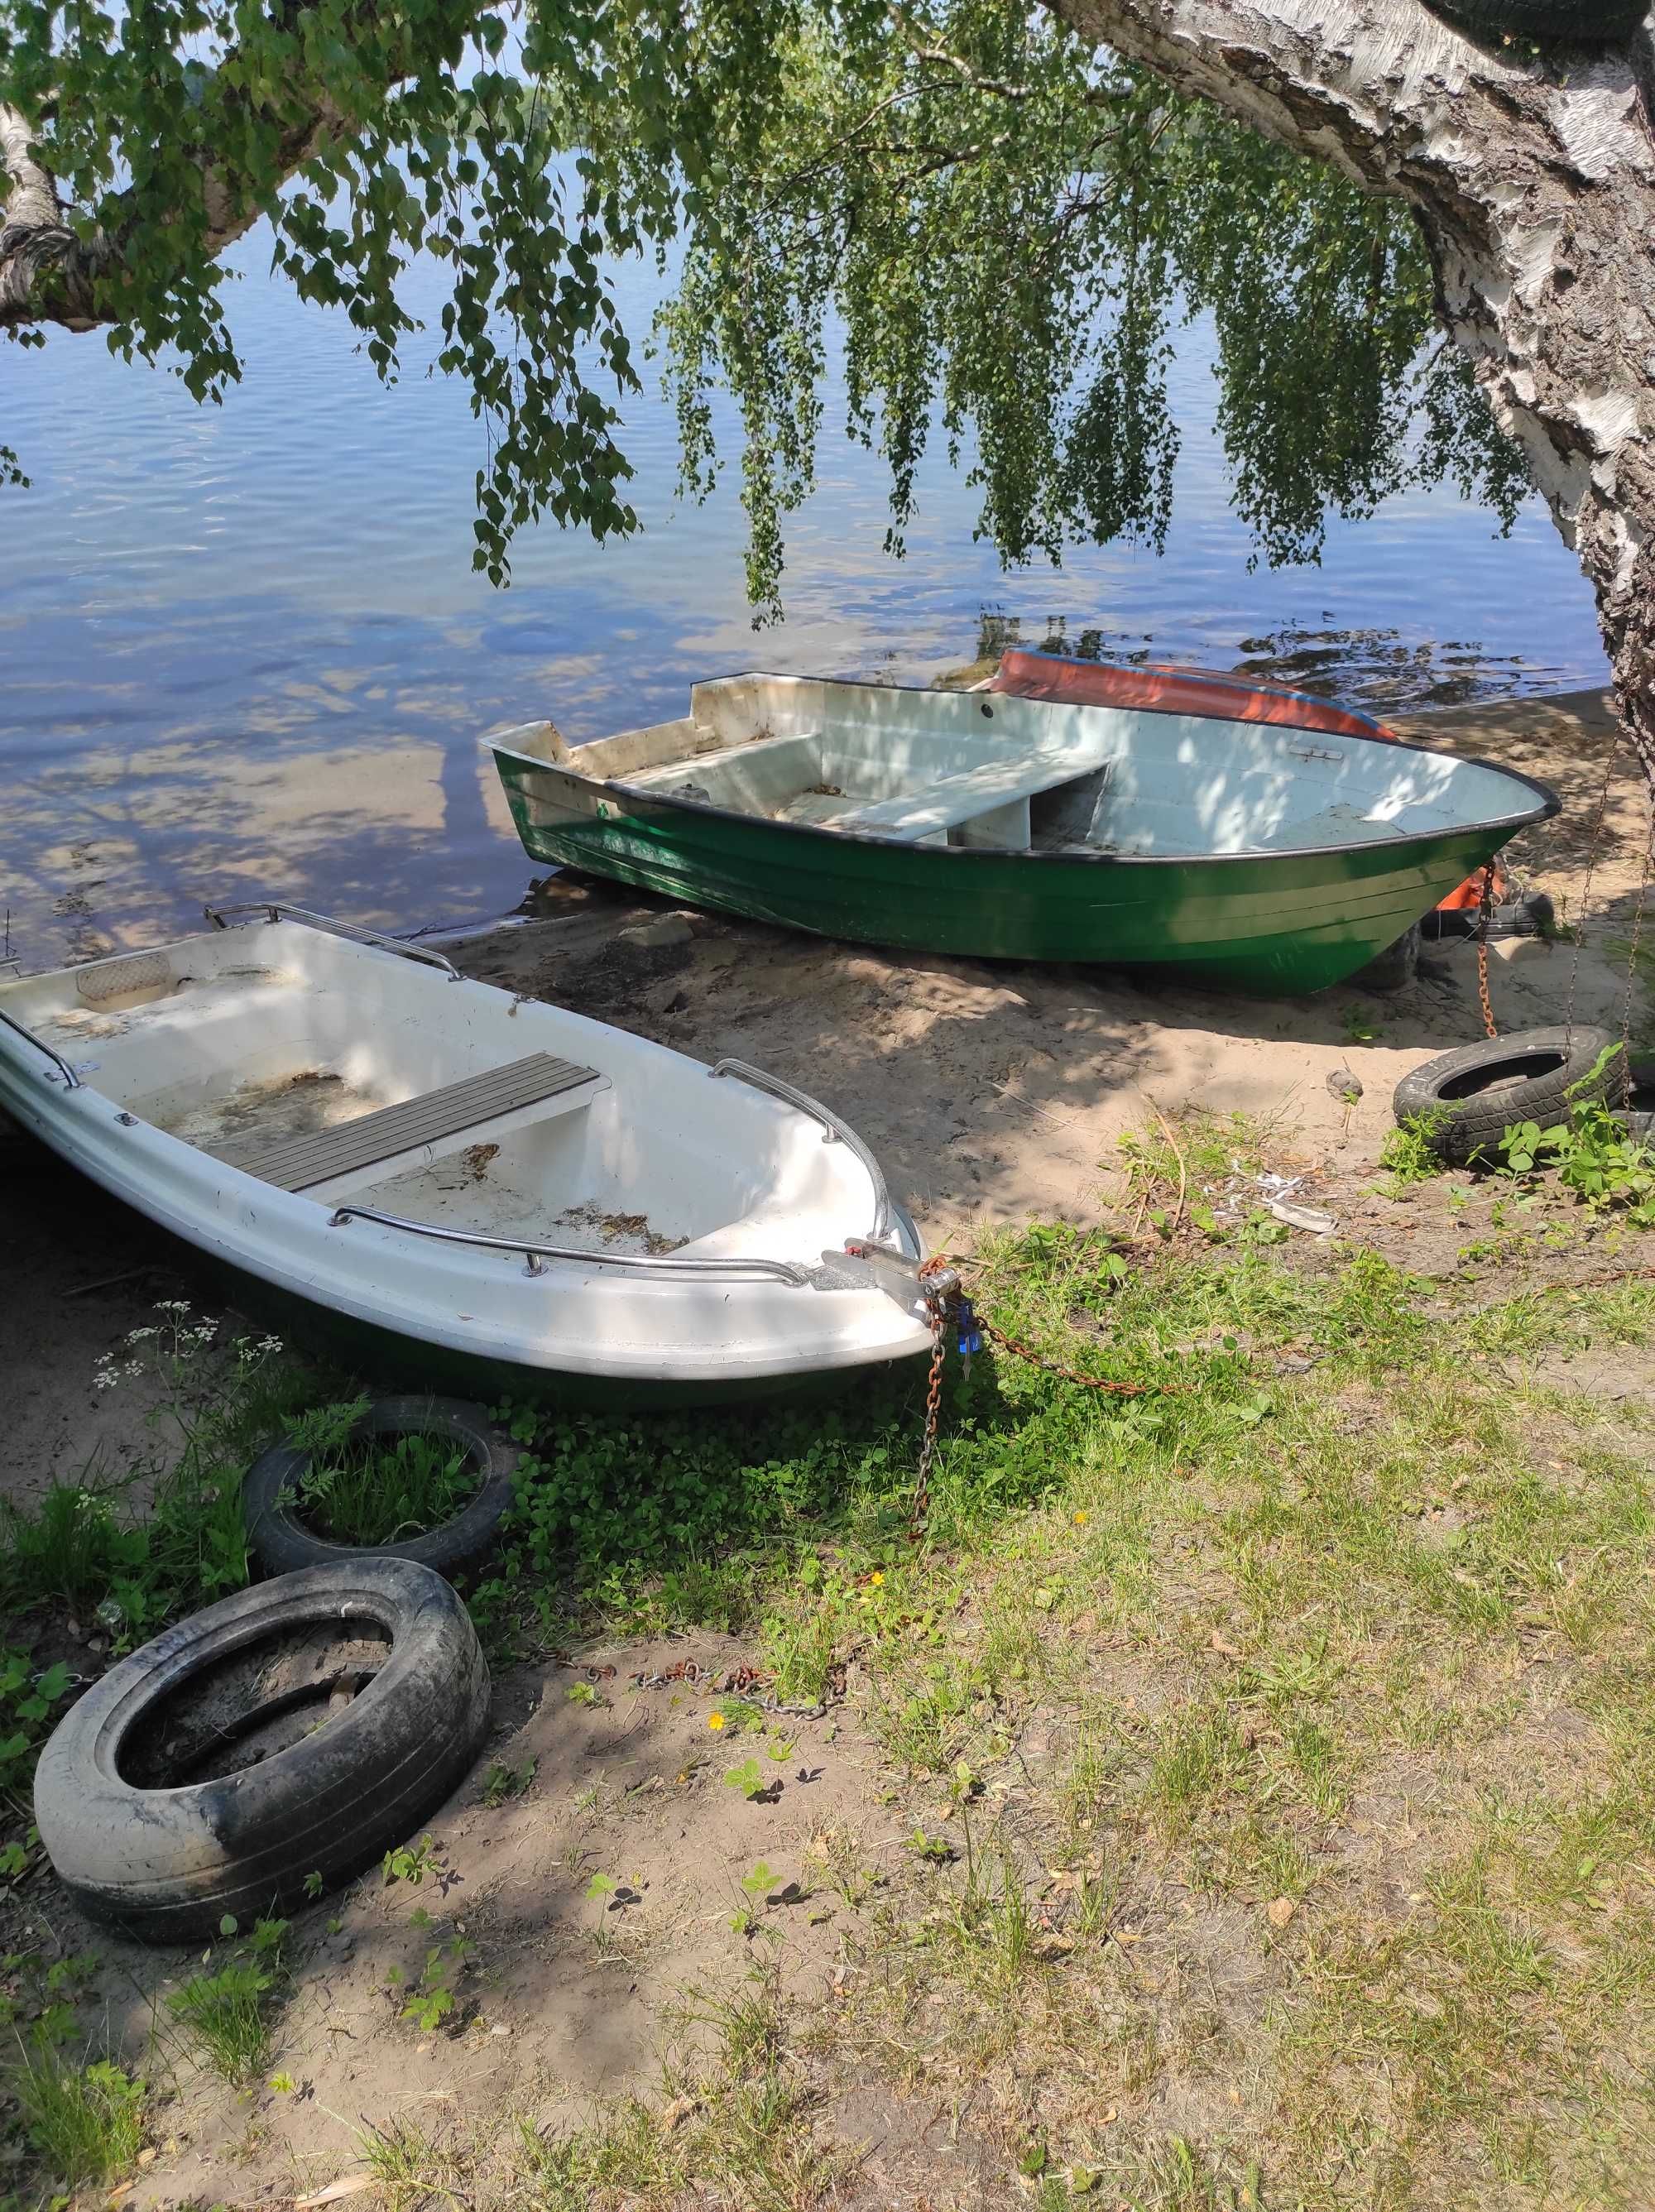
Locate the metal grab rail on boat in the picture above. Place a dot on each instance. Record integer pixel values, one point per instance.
(274, 911)
(71, 1081)
(535, 1255)
(834, 1131)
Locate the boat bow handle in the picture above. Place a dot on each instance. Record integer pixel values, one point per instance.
(274, 910)
(71, 1080)
(834, 1131)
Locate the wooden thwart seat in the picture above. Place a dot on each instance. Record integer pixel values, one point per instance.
(436, 1122)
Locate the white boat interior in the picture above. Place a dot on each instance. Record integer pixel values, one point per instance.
(958, 769)
(329, 1072)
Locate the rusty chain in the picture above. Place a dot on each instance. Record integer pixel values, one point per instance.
(1087, 1382)
(1485, 915)
(938, 1300)
(940, 1284)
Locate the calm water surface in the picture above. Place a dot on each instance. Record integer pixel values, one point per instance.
(242, 651)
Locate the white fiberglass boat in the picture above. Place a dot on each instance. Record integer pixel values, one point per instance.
(488, 1192)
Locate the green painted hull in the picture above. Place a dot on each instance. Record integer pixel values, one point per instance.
(1274, 924)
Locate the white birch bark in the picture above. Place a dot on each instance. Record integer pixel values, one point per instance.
(1533, 178)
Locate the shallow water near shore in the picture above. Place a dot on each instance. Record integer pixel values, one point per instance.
(246, 653)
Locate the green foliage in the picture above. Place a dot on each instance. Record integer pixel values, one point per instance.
(749, 1778)
(1000, 227)
(27, 1700)
(369, 1491)
(225, 2014)
(85, 2122)
(503, 1781)
(1592, 1154)
(679, 1500)
(1405, 1154)
(411, 1862)
(78, 1547)
(434, 1997)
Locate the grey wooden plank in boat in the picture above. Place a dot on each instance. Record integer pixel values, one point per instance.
(294, 1163)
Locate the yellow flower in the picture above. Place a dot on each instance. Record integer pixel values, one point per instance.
(876, 1577)
(715, 1720)
(1080, 1520)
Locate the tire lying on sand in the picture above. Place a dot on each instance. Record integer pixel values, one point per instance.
(283, 1542)
(1463, 1101)
(299, 1728)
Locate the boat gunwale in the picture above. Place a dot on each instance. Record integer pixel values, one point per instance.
(285, 1239)
(1550, 804)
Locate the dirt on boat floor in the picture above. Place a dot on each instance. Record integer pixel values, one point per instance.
(989, 1093)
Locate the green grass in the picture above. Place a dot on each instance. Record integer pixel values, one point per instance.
(84, 2122)
(84, 1548)
(1405, 1154)
(373, 1492)
(1282, 1739)
(224, 2017)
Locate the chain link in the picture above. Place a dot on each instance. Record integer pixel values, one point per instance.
(939, 1303)
(1087, 1382)
(1485, 915)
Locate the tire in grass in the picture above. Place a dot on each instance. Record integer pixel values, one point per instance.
(297, 1729)
(282, 1541)
(1463, 1101)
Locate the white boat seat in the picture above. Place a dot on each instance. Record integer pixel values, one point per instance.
(952, 800)
(421, 1128)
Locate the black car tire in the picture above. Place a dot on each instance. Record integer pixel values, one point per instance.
(283, 1542)
(1395, 968)
(1465, 1100)
(167, 1799)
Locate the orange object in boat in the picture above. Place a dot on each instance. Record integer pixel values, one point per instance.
(1172, 691)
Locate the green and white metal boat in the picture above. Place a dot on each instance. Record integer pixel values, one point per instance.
(1270, 858)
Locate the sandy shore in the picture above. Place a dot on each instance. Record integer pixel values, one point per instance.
(993, 1091)
(989, 1093)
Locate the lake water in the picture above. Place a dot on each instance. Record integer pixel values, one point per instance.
(242, 650)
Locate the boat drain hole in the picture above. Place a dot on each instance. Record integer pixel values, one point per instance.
(1521, 1068)
(234, 1713)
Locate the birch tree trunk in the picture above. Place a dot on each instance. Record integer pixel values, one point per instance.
(1533, 178)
